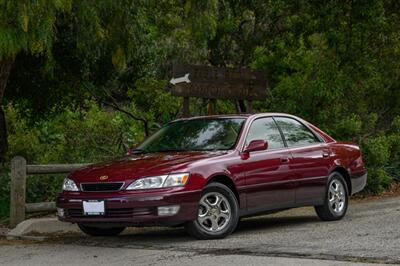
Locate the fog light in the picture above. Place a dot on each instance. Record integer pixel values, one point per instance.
(60, 212)
(168, 210)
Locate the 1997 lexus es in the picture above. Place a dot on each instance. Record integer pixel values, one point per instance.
(207, 172)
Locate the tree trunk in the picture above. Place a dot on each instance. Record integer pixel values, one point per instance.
(5, 68)
(242, 106)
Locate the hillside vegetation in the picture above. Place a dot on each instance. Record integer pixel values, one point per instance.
(80, 81)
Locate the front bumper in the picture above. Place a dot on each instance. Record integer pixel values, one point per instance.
(131, 209)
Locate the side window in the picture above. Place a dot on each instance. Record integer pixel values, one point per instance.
(295, 133)
(265, 129)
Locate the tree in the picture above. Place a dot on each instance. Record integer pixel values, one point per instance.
(25, 26)
(101, 36)
(324, 61)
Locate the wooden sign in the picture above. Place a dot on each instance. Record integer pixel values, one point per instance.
(218, 83)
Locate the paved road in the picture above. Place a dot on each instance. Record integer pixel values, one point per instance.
(370, 233)
(88, 256)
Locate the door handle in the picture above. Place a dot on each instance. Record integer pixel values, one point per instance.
(325, 154)
(284, 160)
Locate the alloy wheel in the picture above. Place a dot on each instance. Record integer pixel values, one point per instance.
(337, 196)
(214, 212)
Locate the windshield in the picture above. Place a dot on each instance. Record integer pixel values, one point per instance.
(195, 135)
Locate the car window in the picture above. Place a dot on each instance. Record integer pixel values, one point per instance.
(265, 129)
(295, 133)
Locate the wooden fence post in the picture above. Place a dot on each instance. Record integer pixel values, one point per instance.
(18, 190)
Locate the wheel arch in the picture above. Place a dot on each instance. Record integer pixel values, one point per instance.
(227, 181)
(346, 176)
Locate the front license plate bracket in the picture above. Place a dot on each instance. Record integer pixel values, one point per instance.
(93, 207)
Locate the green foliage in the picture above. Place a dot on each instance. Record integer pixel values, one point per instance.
(377, 151)
(381, 155)
(153, 102)
(378, 180)
(335, 63)
(74, 135)
(28, 25)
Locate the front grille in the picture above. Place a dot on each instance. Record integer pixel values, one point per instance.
(114, 213)
(101, 187)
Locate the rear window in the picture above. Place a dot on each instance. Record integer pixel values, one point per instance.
(295, 133)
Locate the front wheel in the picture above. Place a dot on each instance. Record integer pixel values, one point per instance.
(218, 213)
(96, 231)
(336, 199)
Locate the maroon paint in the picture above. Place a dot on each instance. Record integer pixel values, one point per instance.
(264, 180)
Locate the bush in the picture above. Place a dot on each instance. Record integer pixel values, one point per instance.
(377, 151)
(93, 134)
(378, 180)
(70, 136)
(381, 155)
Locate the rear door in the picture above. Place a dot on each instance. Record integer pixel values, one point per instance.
(310, 160)
(268, 177)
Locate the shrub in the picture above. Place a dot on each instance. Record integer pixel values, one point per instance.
(70, 136)
(381, 155)
(378, 180)
(74, 135)
(377, 151)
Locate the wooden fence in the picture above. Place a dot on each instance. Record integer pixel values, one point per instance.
(19, 171)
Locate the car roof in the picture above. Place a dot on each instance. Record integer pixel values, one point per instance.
(245, 115)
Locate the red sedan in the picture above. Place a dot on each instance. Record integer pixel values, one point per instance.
(207, 172)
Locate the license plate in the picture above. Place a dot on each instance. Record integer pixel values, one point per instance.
(93, 207)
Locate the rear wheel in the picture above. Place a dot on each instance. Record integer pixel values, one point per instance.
(96, 231)
(336, 199)
(218, 213)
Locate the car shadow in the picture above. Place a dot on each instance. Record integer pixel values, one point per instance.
(168, 236)
(268, 223)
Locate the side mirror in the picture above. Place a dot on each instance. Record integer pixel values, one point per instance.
(256, 145)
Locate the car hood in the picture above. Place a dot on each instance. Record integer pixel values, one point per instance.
(141, 165)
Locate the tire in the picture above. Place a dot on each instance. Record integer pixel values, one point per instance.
(218, 213)
(336, 199)
(96, 231)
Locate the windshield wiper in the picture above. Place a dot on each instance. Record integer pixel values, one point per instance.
(170, 150)
(136, 151)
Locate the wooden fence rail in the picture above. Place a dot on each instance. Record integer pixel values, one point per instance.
(19, 172)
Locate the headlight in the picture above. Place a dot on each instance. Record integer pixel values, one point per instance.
(69, 185)
(173, 180)
(176, 180)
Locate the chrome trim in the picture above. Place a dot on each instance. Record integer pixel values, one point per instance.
(88, 183)
(75, 200)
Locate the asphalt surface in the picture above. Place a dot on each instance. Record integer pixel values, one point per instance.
(370, 233)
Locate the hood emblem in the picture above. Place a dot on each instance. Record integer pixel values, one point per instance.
(103, 177)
